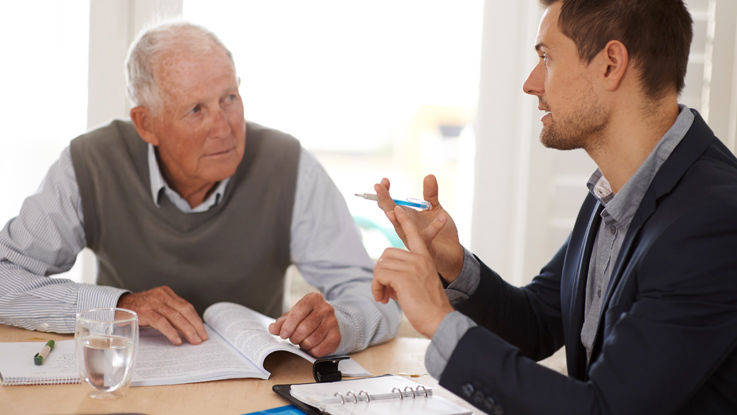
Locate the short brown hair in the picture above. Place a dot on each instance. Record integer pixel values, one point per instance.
(657, 34)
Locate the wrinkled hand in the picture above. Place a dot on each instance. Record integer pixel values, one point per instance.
(311, 324)
(167, 312)
(435, 227)
(410, 278)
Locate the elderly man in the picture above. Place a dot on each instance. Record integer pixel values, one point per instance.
(643, 294)
(188, 205)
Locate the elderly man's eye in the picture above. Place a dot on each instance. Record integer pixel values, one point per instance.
(196, 109)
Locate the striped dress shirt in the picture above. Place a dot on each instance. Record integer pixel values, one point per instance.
(46, 236)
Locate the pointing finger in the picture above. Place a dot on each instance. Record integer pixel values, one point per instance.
(414, 240)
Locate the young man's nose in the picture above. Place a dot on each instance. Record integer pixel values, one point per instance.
(534, 83)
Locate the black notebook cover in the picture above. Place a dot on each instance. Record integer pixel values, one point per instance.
(283, 391)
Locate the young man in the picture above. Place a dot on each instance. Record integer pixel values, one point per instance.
(187, 205)
(643, 294)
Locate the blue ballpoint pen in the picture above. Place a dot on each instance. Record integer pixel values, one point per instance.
(415, 203)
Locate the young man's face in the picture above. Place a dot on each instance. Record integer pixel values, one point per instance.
(563, 84)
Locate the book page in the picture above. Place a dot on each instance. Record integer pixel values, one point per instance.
(159, 362)
(248, 331)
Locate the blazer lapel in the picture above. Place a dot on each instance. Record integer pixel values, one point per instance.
(575, 353)
(582, 269)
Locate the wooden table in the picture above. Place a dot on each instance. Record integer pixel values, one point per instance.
(403, 356)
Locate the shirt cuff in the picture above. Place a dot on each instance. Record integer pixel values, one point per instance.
(468, 280)
(98, 296)
(444, 341)
(349, 332)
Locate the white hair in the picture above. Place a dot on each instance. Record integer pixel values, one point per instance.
(145, 52)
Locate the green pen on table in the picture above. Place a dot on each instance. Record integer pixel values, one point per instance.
(38, 359)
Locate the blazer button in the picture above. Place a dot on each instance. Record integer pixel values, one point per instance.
(489, 405)
(467, 390)
(478, 399)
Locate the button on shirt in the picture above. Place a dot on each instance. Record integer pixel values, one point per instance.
(616, 218)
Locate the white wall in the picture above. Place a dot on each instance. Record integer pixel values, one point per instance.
(505, 121)
(43, 80)
(722, 74)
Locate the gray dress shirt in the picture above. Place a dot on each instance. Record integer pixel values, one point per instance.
(47, 235)
(616, 218)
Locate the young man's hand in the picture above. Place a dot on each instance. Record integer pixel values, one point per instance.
(410, 278)
(435, 227)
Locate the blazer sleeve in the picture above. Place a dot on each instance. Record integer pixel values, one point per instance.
(528, 317)
(678, 334)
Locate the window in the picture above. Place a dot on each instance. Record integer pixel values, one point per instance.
(372, 88)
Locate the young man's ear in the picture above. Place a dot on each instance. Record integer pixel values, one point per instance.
(615, 62)
(143, 120)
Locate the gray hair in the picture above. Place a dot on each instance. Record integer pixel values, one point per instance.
(145, 52)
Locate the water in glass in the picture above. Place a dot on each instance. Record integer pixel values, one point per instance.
(106, 342)
(107, 361)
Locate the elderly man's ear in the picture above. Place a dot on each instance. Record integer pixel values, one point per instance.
(143, 120)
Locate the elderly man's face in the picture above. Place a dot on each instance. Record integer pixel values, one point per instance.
(200, 129)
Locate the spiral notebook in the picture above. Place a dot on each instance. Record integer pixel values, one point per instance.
(388, 394)
(17, 367)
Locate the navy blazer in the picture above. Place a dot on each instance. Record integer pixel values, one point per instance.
(668, 328)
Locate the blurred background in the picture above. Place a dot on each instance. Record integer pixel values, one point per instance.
(379, 88)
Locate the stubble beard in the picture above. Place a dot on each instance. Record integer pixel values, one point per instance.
(579, 130)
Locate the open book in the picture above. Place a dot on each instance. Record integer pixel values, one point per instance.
(238, 344)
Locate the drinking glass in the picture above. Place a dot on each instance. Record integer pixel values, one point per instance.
(106, 341)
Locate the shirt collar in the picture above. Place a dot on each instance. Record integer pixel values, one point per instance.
(621, 207)
(159, 186)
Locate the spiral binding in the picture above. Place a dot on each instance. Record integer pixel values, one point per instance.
(396, 393)
(37, 380)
